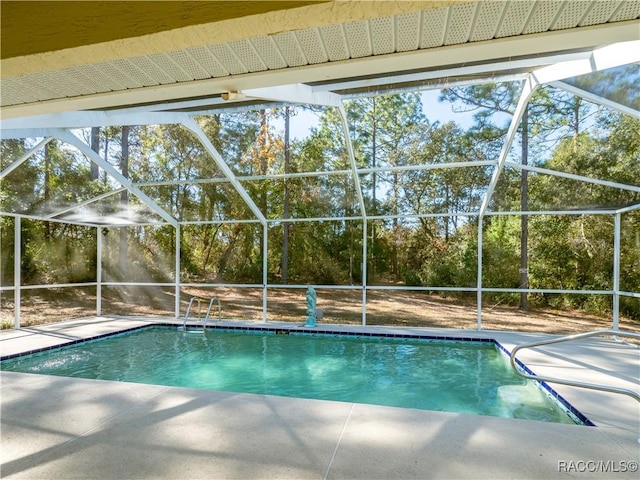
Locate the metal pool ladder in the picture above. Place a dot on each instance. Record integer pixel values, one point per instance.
(592, 386)
(201, 321)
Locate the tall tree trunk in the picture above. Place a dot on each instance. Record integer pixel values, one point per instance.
(95, 146)
(524, 221)
(446, 219)
(226, 255)
(124, 197)
(576, 122)
(263, 157)
(209, 242)
(285, 225)
(47, 187)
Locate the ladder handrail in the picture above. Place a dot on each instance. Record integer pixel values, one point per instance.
(573, 383)
(206, 318)
(186, 315)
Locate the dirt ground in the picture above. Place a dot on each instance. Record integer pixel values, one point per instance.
(343, 306)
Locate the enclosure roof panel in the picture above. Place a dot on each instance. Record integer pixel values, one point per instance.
(618, 84)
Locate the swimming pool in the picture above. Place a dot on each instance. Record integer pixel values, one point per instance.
(411, 372)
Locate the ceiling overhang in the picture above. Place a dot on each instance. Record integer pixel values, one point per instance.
(42, 27)
(333, 46)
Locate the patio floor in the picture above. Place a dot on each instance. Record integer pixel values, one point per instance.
(58, 427)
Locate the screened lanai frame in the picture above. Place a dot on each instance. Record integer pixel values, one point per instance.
(533, 72)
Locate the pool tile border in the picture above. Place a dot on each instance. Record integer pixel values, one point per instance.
(559, 398)
(81, 340)
(322, 331)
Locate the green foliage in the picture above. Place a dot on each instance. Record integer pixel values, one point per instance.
(501, 252)
(6, 250)
(48, 182)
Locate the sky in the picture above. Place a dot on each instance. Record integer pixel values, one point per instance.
(431, 107)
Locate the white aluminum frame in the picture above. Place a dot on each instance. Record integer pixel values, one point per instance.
(15, 164)
(57, 126)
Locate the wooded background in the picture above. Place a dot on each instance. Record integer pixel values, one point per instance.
(559, 131)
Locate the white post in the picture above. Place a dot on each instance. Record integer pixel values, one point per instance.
(364, 272)
(265, 266)
(616, 271)
(177, 273)
(99, 271)
(17, 257)
(479, 279)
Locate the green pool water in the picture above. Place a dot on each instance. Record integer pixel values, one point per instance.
(453, 376)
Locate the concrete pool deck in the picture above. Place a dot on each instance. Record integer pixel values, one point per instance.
(58, 427)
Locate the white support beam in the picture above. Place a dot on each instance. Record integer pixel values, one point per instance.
(428, 166)
(527, 90)
(114, 224)
(630, 294)
(16, 163)
(247, 178)
(173, 105)
(577, 211)
(630, 208)
(86, 119)
(40, 218)
(85, 203)
(489, 71)
(616, 270)
(13, 134)
(294, 93)
(235, 107)
(559, 71)
(265, 267)
(388, 89)
(55, 285)
(616, 54)
(71, 139)
(479, 278)
(364, 272)
(218, 222)
(611, 56)
(17, 270)
(194, 128)
(618, 107)
(352, 160)
(572, 176)
(177, 273)
(99, 244)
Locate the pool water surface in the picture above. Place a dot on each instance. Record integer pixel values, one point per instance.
(443, 375)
